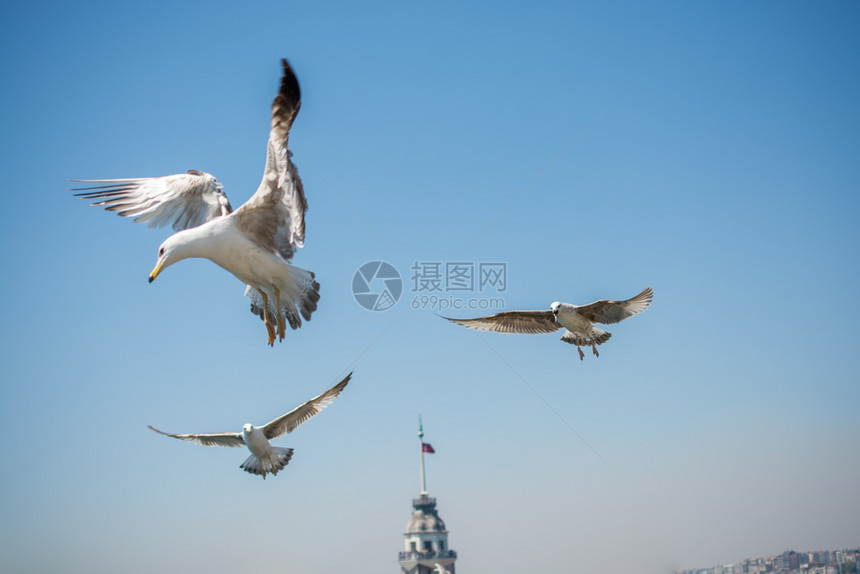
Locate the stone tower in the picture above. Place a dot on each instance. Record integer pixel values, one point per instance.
(426, 546)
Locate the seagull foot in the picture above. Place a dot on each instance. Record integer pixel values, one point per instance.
(282, 320)
(593, 348)
(271, 330)
(282, 329)
(581, 354)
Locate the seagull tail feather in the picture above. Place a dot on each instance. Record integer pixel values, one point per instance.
(600, 337)
(279, 458)
(300, 294)
(307, 292)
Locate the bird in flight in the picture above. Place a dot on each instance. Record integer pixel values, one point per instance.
(255, 242)
(266, 458)
(578, 320)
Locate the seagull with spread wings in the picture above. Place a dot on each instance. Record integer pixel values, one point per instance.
(264, 457)
(255, 243)
(577, 319)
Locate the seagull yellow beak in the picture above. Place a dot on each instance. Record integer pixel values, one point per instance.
(157, 269)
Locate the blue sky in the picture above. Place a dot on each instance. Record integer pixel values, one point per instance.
(708, 150)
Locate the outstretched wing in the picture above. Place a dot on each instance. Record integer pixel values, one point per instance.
(231, 439)
(274, 217)
(531, 322)
(608, 312)
(183, 200)
(289, 422)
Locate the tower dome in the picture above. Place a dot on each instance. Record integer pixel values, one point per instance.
(424, 516)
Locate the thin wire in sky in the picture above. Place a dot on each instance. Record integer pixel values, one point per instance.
(543, 400)
(539, 176)
(366, 349)
(341, 198)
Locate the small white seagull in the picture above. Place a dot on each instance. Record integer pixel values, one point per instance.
(439, 569)
(255, 243)
(264, 457)
(577, 319)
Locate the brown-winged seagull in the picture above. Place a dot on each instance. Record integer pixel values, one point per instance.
(577, 319)
(264, 457)
(255, 243)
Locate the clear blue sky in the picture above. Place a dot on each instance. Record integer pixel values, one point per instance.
(707, 149)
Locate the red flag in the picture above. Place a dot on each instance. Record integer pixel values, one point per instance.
(425, 446)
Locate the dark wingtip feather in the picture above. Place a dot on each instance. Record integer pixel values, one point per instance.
(289, 99)
(290, 84)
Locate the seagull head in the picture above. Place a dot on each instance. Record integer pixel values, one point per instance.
(165, 258)
(246, 428)
(555, 307)
(175, 248)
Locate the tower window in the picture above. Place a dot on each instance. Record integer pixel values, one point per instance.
(428, 545)
(414, 546)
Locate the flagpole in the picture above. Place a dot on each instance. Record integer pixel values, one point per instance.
(421, 450)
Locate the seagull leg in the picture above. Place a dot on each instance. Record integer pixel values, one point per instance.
(593, 348)
(581, 354)
(269, 327)
(282, 329)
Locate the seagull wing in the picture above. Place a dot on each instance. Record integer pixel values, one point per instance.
(183, 200)
(231, 439)
(274, 217)
(608, 312)
(289, 422)
(531, 322)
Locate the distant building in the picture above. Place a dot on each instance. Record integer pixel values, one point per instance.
(822, 557)
(837, 561)
(787, 561)
(426, 548)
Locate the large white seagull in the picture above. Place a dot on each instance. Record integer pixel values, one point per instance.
(255, 243)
